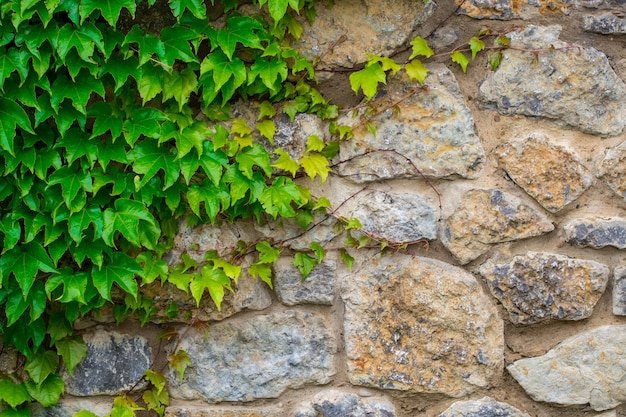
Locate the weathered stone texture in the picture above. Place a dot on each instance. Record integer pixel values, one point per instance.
(543, 286)
(612, 169)
(573, 85)
(605, 23)
(115, 362)
(486, 217)
(549, 173)
(596, 232)
(335, 403)
(198, 411)
(260, 357)
(339, 33)
(317, 288)
(420, 325)
(293, 235)
(69, 407)
(485, 407)
(619, 291)
(587, 368)
(433, 135)
(511, 9)
(395, 217)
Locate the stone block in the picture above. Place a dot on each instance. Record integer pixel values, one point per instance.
(221, 411)
(605, 23)
(554, 183)
(69, 407)
(486, 217)
(317, 288)
(419, 325)
(259, 357)
(335, 403)
(115, 362)
(544, 286)
(612, 170)
(430, 132)
(584, 369)
(619, 291)
(485, 407)
(596, 232)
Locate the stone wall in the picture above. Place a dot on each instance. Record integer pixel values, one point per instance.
(508, 190)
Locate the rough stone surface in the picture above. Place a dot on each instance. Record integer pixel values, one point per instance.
(619, 291)
(292, 234)
(587, 368)
(198, 411)
(317, 288)
(335, 403)
(434, 130)
(485, 407)
(486, 217)
(605, 23)
(559, 179)
(597, 232)
(511, 9)
(543, 286)
(612, 169)
(260, 357)
(419, 325)
(115, 362)
(394, 217)
(69, 407)
(575, 86)
(337, 36)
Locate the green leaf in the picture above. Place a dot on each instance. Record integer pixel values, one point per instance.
(267, 253)
(420, 47)
(416, 71)
(48, 392)
(77, 145)
(120, 69)
(148, 159)
(263, 271)
(213, 280)
(272, 71)
(12, 233)
(285, 162)
(277, 198)
(24, 262)
(15, 412)
(40, 366)
(239, 29)
(125, 220)
(213, 198)
(110, 9)
(460, 59)
(72, 350)
(155, 378)
(254, 155)
(305, 263)
(83, 38)
(266, 109)
(386, 62)
(223, 69)
(476, 45)
(320, 253)
(152, 268)
(179, 86)
(176, 45)
(13, 394)
(72, 180)
(74, 285)
(179, 361)
(144, 121)
(196, 7)
(503, 40)
(267, 128)
(495, 59)
(11, 116)
(368, 79)
(14, 60)
(347, 258)
(277, 9)
(121, 270)
(315, 164)
(148, 45)
(79, 91)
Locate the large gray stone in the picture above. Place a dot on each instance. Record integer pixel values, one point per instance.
(544, 286)
(596, 232)
(317, 288)
(619, 291)
(573, 85)
(335, 403)
(337, 36)
(487, 217)
(485, 407)
(259, 357)
(115, 362)
(68, 407)
(554, 183)
(217, 411)
(291, 234)
(605, 23)
(585, 369)
(431, 133)
(419, 325)
(612, 169)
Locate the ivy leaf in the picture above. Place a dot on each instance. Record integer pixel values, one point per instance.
(24, 262)
(305, 263)
(267, 128)
(213, 280)
(179, 361)
(144, 121)
(152, 268)
(315, 164)
(368, 79)
(263, 271)
(179, 86)
(239, 29)
(147, 44)
(120, 69)
(347, 258)
(148, 159)
(151, 82)
(416, 71)
(107, 118)
(495, 59)
(285, 162)
(277, 9)
(270, 70)
(110, 9)
(13, 60)
(277, 198)
(267, 253)
(266, 109)
(11, 116)
(196, 7)
(121, 270)
(13, 394)
(77, 145)
(251, 156)
(176, 45)
(212, 197)
(12, 233)
(386, 62)
(476, 45)
(40, 366)
(48, 392)
(72, 181)
(223, 69)
(125, 219)
(420, 47)
(460, 59)
(155, 378)
(74, 285)
(83, 39)
(78, 91)
(72, 350)
(320, 253)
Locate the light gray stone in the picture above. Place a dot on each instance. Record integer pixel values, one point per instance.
(573, 85)
(554, 183)
(431, 135)
(115, 362)
(596, 232)
(259, 357)
(317, 288)
(605, 23)
(619, 291)
(612, 169)
(485, 407)
(419, 325)
(486, 217)
(221, 411)
(335, 403)
(293, 236)
(544, 286)
(69, 407)
(337, 35)
(585, 369)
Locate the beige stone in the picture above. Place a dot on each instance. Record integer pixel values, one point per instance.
(612, 169)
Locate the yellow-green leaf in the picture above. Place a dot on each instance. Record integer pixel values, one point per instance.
(285, 162)
(476, 45)
(460, 59)
(416, 71)
(315, 164)
(267, 128)
(420, 47)
(368, 79)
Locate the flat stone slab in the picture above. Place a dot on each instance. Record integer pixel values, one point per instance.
(259, 357)
(485, 407)
(115, 362)
(554, 183)
(584, 369)
(421, 326)
(336, 403)
(619, 291)
(217, 411)
(612, 170)
(486, 217)
(67, 407)
(317, 288)
(573, 85)
(510, 9)
(542, 286)
(605, 23)
(431, 133)
(596, 232)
